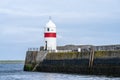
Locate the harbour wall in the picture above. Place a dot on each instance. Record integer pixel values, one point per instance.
(92, 62)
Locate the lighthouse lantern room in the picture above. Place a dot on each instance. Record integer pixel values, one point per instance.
(50, 36)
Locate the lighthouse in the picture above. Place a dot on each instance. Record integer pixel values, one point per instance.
(50, 36)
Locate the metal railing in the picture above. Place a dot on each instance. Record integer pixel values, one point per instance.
(33, 49)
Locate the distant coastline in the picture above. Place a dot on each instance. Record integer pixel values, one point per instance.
(11, 61)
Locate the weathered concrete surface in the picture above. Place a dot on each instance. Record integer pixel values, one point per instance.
(100, 67)
(107, 54)
(33, 58)
(30, 60)
(66, 55)
(41, 55)
(104, 63)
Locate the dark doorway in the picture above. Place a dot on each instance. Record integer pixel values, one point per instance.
(45, 45)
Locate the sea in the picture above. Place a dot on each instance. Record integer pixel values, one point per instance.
(14, 71)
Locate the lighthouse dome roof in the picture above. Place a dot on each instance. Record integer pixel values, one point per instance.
(50, 24)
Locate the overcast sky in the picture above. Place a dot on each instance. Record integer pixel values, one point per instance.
(81, 22)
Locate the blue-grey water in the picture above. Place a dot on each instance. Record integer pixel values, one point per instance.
(15, 72)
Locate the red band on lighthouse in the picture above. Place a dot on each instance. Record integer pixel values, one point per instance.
(50, 35)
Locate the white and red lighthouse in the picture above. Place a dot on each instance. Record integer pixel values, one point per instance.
(50, 36)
